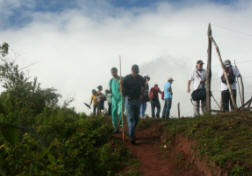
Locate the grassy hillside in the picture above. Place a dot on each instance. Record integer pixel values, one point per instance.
(225, 139)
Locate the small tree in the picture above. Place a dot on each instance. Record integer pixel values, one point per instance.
(4, 49)
(22, 97)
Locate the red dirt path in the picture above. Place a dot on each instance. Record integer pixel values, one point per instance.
(153, 161)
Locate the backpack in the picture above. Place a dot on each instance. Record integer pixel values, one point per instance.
(151, 95)
(230, 75)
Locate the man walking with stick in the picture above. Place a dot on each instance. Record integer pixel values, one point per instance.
(133, 88)
(117, 110)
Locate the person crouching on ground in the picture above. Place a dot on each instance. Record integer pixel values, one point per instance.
(198, 81)
(145, 99)
(155, 103)
(168, 98)
(114, 85)
(133, 88)
(232, 74)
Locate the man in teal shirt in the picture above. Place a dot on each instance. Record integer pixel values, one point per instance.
(114, 85)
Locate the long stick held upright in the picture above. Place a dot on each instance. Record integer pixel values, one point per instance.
(225, 73)
(123, 136)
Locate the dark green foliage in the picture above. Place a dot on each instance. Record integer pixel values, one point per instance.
(23, 99)
(40, 138)
(73, 146)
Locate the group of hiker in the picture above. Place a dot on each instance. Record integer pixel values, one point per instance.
(132, 93)
(197, 81)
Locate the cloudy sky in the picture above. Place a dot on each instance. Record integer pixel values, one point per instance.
(73, 44)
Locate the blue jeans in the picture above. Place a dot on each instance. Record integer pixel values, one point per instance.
(143, 106)
(167, 108)
(132, 110)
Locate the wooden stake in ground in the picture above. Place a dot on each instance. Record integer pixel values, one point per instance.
(179, 110)
(209, 71)
(225, 73)
(123, 136)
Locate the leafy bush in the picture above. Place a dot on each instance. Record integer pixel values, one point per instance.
(40, 138)
(71, 147)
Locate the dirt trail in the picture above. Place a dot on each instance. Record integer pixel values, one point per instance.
(153, 161)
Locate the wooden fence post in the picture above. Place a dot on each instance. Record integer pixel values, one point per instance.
(179, 110)
(209, 71)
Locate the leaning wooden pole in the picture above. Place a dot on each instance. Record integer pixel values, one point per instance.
(240, 85)
(225, 73)
(209, 71)
(123, 135)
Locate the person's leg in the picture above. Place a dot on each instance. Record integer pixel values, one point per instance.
(225, 100)
(141, 110)
(119, 112)
(144, 108)
(168, 107)
(136, 116)
(140, 114)
(152, 109)
(203, 106)
(109, 108)
(130, 118)
(196, 108)
(94, 109)
(158, 108)
(164, 109)
(231, 103)
(114, 115)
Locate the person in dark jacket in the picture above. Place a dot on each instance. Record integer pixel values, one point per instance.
(133, 88)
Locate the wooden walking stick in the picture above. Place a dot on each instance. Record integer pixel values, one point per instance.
(123, 135)
(225, 73)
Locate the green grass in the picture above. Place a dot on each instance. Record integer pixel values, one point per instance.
(226, 139)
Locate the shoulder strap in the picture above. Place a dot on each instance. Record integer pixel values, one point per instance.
(199, 75)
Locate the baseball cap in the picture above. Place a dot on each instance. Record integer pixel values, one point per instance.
(227, 62)
(200, 62)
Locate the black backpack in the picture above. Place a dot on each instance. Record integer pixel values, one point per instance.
(230, 75)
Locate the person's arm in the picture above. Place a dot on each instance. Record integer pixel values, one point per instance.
(189, 86)
(123, 85)
(91, 101)
(236, 72)
(189, 82)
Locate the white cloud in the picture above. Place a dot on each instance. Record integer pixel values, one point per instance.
(76, 48)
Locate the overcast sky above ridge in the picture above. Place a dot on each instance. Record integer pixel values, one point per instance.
(75, 43)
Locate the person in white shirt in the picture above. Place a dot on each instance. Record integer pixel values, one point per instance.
(232, 74)
(197, 80)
